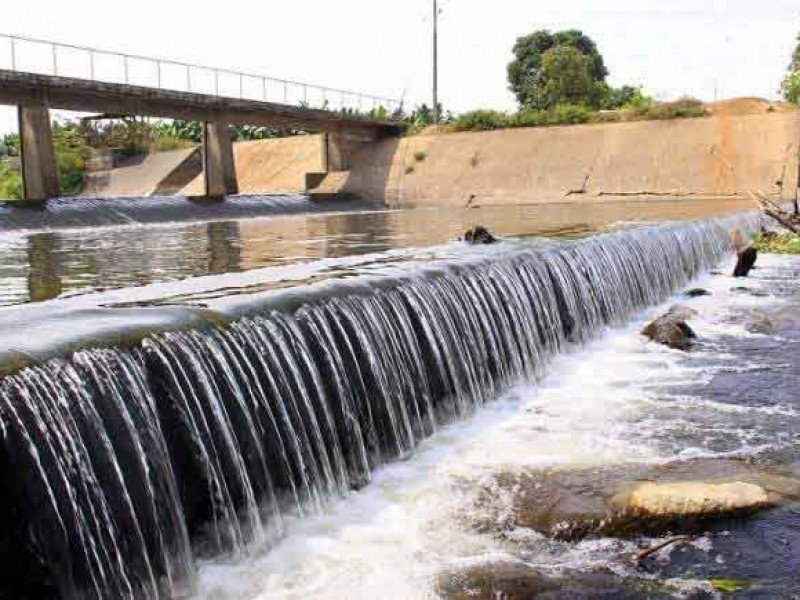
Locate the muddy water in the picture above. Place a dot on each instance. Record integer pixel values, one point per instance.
(43, 265)
(618, 400)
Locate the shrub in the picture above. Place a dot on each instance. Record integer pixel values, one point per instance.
(680, 109)
(569, 114)
(563, 114)
(781, 243)
(529, 117)
(420, 155)
(10, 183)
(481, 120)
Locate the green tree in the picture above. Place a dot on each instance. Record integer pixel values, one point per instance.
(11, 143)
(72, 152)
(525, 76)
(566, 78)
(791, 84)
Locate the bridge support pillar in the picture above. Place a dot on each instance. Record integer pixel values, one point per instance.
(218, 163)
(39, 174)
(333, 158)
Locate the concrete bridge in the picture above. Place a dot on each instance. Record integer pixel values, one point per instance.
(82, 79)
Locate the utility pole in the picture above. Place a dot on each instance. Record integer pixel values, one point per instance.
(436, 115)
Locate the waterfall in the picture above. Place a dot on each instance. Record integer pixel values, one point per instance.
(122, 466)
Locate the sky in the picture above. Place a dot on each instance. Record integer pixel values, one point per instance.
(704, 48)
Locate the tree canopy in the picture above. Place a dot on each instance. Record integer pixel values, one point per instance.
(533, 76)
(791, 84)
(565, 76)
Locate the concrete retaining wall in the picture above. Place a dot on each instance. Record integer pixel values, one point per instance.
(272, 166)
(715, 156)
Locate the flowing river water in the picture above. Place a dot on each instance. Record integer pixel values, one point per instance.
(318, 425)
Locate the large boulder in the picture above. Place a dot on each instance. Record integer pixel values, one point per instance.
(671, 329)
(695, 498)
(626, 500)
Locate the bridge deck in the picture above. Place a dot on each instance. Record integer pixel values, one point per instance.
(65, 93)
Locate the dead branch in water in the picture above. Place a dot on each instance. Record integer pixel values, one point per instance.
(642, 554)
(771, 209)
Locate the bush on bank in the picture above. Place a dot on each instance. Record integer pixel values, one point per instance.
(570, 114)
(10, 183)
(781, 243)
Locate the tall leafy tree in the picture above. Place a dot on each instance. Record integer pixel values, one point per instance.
(525, 74)
(565, 77)
(791, 84)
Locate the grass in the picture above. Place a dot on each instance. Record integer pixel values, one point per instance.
(778, 243)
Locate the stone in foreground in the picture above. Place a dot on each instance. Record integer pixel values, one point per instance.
(627, 500)
(671, 329)
(692, 498)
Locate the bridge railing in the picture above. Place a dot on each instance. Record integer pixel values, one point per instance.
(44, 57)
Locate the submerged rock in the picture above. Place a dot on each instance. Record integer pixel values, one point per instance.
(745, 261)
(627, 500)
(511, 580)
(479, 235)
(696, 293)
(671, 329)
(759, 322)
(741, 289)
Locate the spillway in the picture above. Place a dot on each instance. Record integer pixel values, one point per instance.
(123, 466)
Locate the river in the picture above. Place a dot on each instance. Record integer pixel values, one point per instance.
(305, 406)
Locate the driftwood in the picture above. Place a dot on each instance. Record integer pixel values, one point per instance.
(640, 556)
(787, 220)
